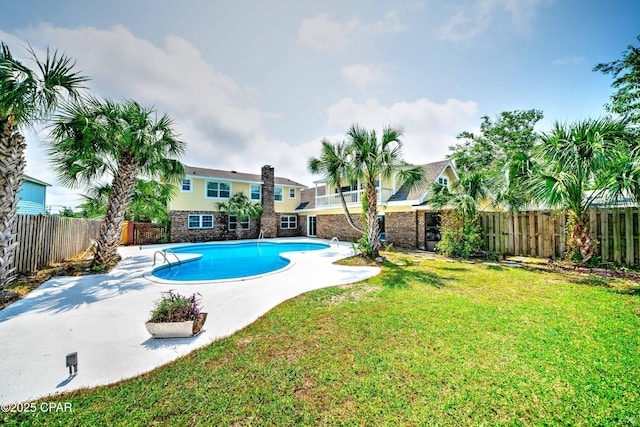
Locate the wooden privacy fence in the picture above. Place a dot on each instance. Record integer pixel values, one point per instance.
(616, 233)
(47, 239)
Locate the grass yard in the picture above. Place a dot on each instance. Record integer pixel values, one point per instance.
(424, 343)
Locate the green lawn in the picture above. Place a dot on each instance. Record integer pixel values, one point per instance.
(427, 343)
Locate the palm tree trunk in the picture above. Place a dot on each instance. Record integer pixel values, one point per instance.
(373, 228)
(580, 237)
(12, 165)
(111, 229)
(343, 202)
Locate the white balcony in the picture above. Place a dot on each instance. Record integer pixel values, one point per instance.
(351, 197)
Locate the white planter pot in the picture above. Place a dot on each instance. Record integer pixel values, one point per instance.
(176, 329)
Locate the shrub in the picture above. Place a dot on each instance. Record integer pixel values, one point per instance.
(174, 307)
(460, 236)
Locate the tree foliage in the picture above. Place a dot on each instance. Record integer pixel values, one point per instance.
(501, 151)
(93, 139)
(626, 74)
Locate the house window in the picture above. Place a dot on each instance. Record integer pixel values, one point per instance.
(256, 192)
(277, 194)
(200, 221)
(186, 185)
(218, 190)
(288, 222)
(233, 223)
(292, 193)
(444, 181)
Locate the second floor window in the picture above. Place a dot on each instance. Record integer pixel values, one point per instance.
(277, 194)
(256, 193)
(186, 185)
(292, 193)
(443, 181)
(218, 190)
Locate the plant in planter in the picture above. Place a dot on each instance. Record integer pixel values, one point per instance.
(176, 316)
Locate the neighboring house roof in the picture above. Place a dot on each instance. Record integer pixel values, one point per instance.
(34, 180)
(432, 171)
(236, 176)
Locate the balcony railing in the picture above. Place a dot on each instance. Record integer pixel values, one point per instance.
(351, 197)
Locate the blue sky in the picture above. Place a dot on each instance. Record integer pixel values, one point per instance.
(262, 82)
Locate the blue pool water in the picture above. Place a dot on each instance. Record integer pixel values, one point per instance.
(231, 260)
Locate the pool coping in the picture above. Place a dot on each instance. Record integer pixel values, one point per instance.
(190, 257)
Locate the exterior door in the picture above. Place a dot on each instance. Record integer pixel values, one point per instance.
(431, 230)
(311, 226)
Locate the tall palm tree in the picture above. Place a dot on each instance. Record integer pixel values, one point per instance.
(373, 160)
(27, 96)
(242, 208)
(575, 165)
(333, 164)
(122, 140)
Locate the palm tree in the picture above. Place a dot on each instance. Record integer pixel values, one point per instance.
(122, 140)
(460, 229)
(333, 164)
(576, 164)
(242, 208)
(371, 161)
(26, 96)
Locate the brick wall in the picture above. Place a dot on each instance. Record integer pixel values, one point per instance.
(181, 233)
(330, 226)
(401, 229)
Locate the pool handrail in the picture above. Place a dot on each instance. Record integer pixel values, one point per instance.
(164, 256)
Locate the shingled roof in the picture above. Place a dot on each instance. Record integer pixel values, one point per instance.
(432, 171)
(236, 176)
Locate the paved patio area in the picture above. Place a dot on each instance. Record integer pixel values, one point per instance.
(101, 317)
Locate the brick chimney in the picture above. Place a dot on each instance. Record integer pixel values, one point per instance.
(268, 220)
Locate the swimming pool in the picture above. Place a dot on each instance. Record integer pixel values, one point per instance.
(219, 261)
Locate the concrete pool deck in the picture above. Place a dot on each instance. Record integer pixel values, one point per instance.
(101, 317)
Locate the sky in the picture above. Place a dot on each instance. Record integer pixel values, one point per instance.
(258, 82)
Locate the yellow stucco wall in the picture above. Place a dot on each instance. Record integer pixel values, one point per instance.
(196, 199)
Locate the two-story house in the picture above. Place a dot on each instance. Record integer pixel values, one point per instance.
(195, 217)
(406, 219)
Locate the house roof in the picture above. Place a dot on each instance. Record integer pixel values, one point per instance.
(432, 171)
(236, 176)
(308, 197)
(34, 180)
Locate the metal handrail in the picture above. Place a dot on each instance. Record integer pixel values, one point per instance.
(164, 256)
(335, 239)
(261, 235)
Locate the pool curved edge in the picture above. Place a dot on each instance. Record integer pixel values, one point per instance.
(149, 276)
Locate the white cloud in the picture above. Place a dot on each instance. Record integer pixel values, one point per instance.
(361, 75)
(477, 17)
(430, 128)
(568, 60)
(323, 33)
(212, 112)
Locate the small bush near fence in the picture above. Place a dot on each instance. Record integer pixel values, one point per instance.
(43, 240)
